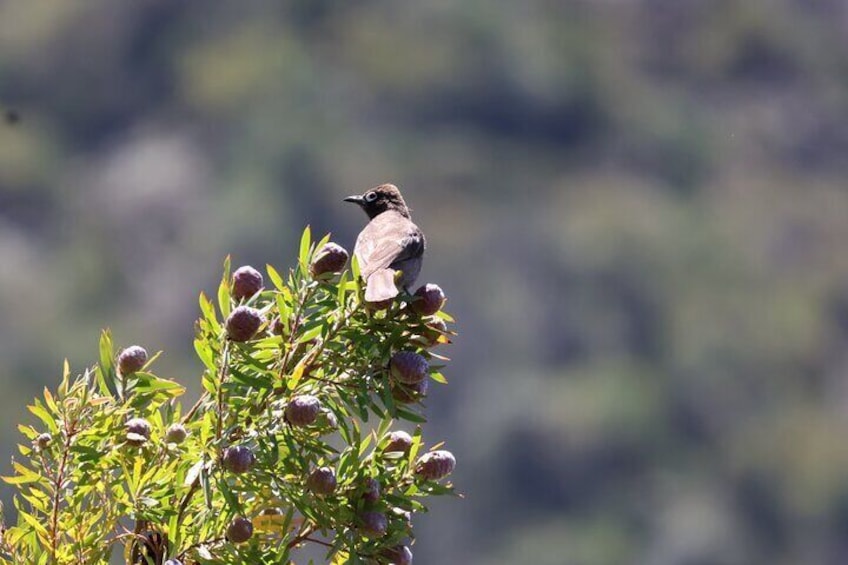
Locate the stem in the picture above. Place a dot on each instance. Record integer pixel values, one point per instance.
(59, 478)
(301, 537)
(194, 408)
(298, 319)
(318, 541)
(222, 374)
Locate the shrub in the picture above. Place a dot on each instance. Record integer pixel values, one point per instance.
(290, 442)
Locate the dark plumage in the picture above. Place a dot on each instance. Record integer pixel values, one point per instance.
(390, 248)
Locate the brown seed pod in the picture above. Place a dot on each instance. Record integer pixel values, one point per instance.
(243, 323)
(302, 410)
(408, 367)
(240, 530)
(238, 459)
(435, 465)
(429, 299)
(247, 281)
(321, 481)
(131, 359)
(331, 258)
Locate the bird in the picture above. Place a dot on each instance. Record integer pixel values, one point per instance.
(390, 248)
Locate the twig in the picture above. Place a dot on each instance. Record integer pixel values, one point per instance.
(59, 478)
(301, 537)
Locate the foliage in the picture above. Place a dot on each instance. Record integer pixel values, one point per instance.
(96, 480)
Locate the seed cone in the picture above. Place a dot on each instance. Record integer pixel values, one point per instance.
(302, 410)
(399, 441)
(408, 367)
(321, 481)
(176, 433)
(131, 359)
(138, 431)
(331, 258)
(240, 530)
(243, 323)
(373, 524)
(429, 299)
(238, 459)
(398, 555)
(247, 281)
(435, 465)
(371, 490)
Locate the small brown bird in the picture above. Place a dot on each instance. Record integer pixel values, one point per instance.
(390, 248)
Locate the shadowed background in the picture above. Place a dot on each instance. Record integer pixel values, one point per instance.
(638, 211)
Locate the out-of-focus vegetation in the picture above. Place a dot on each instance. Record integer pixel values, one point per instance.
(638, 210)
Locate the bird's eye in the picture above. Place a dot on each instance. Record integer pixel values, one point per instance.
(371, 196)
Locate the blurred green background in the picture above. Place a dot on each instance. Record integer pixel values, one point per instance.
(638, 210)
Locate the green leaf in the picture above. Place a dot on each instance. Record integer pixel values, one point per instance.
(204, 353)
(411, 416)
(148, 382)
(209, 312)
(342, 289)
(439, 378)
(107, 352)
(45, 416)
(224, 290)
(305, 243)
(275, 277)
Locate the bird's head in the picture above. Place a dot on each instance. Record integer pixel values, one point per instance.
(380, 199)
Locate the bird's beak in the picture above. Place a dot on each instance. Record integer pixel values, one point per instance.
(356, 199)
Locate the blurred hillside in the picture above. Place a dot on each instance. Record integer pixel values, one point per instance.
(639, 211)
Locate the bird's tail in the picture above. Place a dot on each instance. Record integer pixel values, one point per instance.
(381, 286)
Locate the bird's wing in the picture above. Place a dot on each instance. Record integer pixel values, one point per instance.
(387, 239)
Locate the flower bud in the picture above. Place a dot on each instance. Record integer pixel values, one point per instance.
(408, 367)
(398, 555)
(131, 359)
(247, 281)
(435, 465)
(243, 323)
(240, 530)
(138, 431)
(43, 440)
(371, 490)
(277, 326)
(331, 258)
(176, 433)
(429, 299)
(399, 441)
(373, 524)
(238, 459)
(302, 410)
(321, 481)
